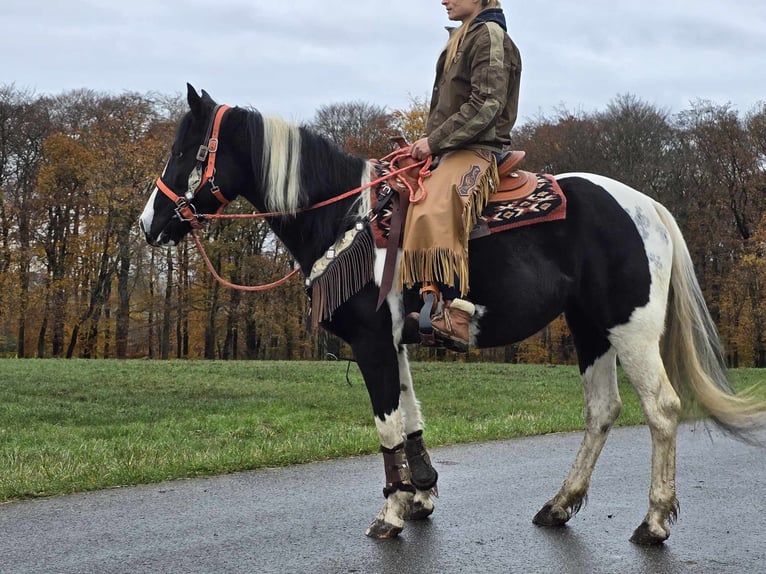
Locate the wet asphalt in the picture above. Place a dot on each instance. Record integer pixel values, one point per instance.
(311, 518)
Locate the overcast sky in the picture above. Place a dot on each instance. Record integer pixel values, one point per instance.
(288, 58)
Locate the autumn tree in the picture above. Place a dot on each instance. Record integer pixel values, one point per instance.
(411, 122)
(358, 128)
(24, 125)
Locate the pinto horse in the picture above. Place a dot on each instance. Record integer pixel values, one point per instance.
(617, 267)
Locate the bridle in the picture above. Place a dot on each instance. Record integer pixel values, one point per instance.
(204, 173)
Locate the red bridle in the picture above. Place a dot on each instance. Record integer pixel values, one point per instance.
(204, 172)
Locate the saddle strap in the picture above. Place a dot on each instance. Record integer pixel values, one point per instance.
(399, 204)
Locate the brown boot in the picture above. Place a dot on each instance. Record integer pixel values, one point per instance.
(452, 325)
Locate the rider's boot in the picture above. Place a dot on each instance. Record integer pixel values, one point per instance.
(452, 325)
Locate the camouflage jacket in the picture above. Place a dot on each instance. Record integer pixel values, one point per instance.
(475, 103)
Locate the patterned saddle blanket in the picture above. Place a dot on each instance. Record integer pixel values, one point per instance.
(523, 199)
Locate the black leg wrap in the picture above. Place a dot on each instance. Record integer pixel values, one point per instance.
(422, 474)
(397, 471)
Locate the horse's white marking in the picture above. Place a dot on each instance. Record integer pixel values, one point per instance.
(602, 406)
(391, 429)
(602, 398)
(281, 160)
(411, 414)
(393, 510)
(147, 216)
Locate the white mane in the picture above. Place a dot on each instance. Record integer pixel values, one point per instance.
(281, 160)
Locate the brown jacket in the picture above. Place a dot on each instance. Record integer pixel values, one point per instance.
(475, 103)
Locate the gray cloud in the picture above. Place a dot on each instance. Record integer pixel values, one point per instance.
(289, 58)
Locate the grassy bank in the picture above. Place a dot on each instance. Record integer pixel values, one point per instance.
(69, 426)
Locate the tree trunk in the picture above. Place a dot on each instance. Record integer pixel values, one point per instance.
(166, 310)
(122, 322)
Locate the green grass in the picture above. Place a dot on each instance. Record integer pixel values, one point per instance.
(70, 426)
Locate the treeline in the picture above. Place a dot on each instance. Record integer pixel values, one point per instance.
(78, 280)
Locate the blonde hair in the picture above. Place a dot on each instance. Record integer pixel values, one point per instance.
(457, 37)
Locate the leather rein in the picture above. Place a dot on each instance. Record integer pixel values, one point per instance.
(204, 173)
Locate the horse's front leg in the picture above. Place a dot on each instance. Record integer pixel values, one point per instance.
(422, 474)
(410, 478)
(379, 364)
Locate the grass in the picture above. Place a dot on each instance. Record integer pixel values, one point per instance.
(72, 426)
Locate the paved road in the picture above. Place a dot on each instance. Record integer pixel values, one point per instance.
(312, 518)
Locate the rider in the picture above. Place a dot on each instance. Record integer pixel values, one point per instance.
(473, 107)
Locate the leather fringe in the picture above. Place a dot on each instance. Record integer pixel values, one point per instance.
(443, 265)
(346, 274)
(478, 201)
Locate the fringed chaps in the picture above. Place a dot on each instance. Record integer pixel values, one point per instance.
(435, 245)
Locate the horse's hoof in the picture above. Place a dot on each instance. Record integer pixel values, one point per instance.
(382, 530)
(551, 517)
(418, 511)
(644, 536)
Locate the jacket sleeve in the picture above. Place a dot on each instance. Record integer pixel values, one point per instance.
(489, 87)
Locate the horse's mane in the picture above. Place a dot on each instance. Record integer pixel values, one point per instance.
(297, 164)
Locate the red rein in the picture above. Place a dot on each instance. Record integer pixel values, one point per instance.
(393, 158)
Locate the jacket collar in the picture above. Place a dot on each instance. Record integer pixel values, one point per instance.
(489, 15)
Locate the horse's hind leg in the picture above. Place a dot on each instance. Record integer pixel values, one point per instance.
(661, 405)
(602, 407)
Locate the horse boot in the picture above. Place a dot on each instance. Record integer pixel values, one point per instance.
(452, 325)
(417, 326)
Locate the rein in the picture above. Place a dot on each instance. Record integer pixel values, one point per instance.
(206, 156)
(424, 171)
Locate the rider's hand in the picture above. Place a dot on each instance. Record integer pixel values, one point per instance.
(420, 149)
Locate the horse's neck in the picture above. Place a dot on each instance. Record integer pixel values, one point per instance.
(304, 169)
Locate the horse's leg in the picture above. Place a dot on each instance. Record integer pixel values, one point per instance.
(373, 338)
(423, 475)
(661, 405)
(602, 407)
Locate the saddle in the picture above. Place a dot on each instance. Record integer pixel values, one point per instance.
(513, 185)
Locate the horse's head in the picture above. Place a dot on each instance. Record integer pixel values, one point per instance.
(198, 171)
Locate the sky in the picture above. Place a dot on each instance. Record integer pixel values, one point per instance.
(288, 58)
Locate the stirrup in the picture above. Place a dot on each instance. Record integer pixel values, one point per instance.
(425, 327)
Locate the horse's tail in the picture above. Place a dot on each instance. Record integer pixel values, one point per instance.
(692, 350)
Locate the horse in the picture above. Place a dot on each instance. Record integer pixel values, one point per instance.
(617, 267)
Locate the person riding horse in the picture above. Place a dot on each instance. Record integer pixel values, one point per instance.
(473, 108)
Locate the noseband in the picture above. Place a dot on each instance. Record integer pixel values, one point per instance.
(203, 173)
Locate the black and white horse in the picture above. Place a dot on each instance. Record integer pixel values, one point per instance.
(617, 267)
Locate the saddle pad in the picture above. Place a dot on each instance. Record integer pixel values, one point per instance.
(546, 203)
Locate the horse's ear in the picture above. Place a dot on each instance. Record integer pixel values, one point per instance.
(195, 102)
(207, 100)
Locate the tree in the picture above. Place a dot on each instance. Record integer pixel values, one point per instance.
(411, 123)
(359, 128)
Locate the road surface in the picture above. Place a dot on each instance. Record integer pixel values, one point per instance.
(311, 518)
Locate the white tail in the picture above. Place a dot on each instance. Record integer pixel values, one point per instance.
(692, 350)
